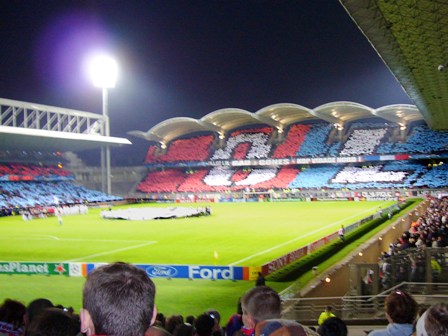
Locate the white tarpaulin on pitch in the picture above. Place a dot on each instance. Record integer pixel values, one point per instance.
(151, 213)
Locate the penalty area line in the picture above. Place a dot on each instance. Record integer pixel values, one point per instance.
(112, 251)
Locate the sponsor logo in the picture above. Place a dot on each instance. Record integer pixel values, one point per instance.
(15, 267)
(75, 269)
(198, 272)
(59, 268)
(161, 271)
(24, 268)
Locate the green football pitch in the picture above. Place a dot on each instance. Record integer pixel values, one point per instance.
(242, 234)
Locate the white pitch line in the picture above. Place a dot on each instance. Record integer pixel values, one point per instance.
(112, 251)
(103, 240)
(45, 237)
(297, 238)
(30, 237)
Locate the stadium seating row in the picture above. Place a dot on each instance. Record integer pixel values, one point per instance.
(31, 170)
(391, 175)
(30, 194)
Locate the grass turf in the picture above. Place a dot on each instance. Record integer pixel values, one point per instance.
(244, 234)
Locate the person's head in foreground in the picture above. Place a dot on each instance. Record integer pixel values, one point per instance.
(333, 326)
(118, 300)
(401, 307)
(260, 303)
(434, 321)
(281, 327)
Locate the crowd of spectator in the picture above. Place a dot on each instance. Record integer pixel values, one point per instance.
(421, 139)
(20, 169)
(316, 141)
(395, 175)
(260, 147)
(311, 140)
(31, 194)
(292, 143)
(363, 142)
(406, 259)
(303, 141)
(191, 149)
(29, 188)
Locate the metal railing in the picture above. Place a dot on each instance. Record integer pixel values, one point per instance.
(366, 308)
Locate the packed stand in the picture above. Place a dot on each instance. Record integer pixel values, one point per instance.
(406, 258)
(292, 143)
(21, 170)
(421, 140)
(316, 141)
(31, 194)
(192, 149)
(435, 177)
(162, 181)
(259, 146)
(363, 141)
(301, 141)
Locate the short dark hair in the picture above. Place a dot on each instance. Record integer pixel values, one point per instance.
(204, 325)
(262, 302)
(54, 322)
(12, 311)
(120, 299)
(401, 307)
(36, 307)
(333, 326)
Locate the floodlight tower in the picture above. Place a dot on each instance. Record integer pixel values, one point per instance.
(104, 71)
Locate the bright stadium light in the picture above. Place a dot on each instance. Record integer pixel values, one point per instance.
(103, 70)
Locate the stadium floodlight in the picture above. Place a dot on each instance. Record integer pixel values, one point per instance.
(104, 72)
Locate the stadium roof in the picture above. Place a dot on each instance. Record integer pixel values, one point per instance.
(28, 126)
(278, 116)
(412, 39)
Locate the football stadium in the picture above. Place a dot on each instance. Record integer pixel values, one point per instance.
(339, 205)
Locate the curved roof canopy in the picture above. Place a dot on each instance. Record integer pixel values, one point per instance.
(287, 113)
(279, 116)
(412, 39)
(171, 129)
(231, 118)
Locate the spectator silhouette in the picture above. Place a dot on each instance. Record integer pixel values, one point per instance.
(34, 309)
(333, 326)
(235, 322)
(54, 322)
(261, 281)
(184, 329)
(172, 322)
(204, 325)
(11, 317)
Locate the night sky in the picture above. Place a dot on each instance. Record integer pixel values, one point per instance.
(188, 58)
